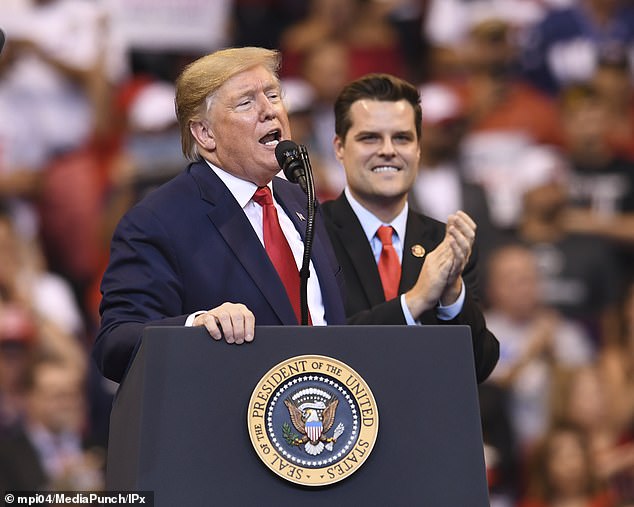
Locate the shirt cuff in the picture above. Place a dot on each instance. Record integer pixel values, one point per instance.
(190, 320)
(451, 311)
(409, 320)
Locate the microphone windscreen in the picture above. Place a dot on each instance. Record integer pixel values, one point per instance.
(284, 150)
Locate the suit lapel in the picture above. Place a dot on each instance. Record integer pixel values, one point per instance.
(412, 262)
(233, 225)
(358, 249)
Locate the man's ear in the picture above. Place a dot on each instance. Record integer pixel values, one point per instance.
(203, 135)
(339, 148)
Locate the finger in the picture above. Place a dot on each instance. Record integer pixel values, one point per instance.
(249, 326)
(464, 242)
(466, 227)
(440, 256)
(237, 321)
(460, 256)
(466, 219)
(463, 223)
(212, 325)
(224, 321)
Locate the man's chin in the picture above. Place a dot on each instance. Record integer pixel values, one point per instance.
(264, 174)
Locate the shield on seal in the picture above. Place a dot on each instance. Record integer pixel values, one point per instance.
(313, 430)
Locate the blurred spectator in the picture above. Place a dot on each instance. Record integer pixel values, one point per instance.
(151, 151)
(47, 452)
(580, 397)
(324, 20)
(616, 363)
(440, 188)
(616, 368)
(601, 180)
(580, 275)
(533, 339)
(21, 159)
(361, 25)
(497, 98)
(612, 81)
(71, 207)
(562, 472)
(25, 279)
(17, 347)
(564, 48)
(38, 315)
(66, 54)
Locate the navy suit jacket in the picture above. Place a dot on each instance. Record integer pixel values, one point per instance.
(365, 300)
(188, 246)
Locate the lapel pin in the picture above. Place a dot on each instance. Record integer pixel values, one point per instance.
(418, 250)
(300, 216)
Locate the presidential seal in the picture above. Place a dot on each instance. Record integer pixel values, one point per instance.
(312, 420)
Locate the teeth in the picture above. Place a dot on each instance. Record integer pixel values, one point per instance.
(384, 169)
(274, 142)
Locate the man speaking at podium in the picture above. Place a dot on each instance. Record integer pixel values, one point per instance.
(193, 251)
(400, 267)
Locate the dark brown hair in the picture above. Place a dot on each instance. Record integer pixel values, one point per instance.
(380, 87)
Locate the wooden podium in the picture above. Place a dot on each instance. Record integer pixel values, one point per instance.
(179, 421)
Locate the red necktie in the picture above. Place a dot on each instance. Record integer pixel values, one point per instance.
(389, 264)
(278, 249)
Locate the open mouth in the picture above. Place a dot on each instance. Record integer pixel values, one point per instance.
(385, 169)
(272, 138)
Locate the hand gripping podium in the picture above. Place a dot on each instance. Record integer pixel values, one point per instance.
(179, 421)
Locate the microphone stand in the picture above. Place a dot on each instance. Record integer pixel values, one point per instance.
(304, 272)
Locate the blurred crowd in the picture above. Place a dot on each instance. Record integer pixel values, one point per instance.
(528, 126)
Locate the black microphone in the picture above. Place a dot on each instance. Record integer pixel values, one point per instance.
(290, 160)
(293, 160)
(1, 40)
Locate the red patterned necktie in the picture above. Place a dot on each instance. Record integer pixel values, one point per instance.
(389, 264)
(278, 249)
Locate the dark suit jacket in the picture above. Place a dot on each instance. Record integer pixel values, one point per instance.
(365, 302)
(188, 246)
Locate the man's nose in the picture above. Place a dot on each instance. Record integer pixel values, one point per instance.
(387, 148)
(266, 108)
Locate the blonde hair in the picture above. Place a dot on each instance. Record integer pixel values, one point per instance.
(202, 78)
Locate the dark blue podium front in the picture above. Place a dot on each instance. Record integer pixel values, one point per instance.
(179, 421)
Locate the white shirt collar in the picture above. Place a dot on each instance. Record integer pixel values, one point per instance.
(241, 190)
(370, 223)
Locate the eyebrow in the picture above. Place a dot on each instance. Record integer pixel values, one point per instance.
(251, 89)
(411, 132)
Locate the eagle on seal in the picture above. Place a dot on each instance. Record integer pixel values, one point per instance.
(313, 420)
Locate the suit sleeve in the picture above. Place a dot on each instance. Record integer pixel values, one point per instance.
(140, 287)
(387, 313)
(486, 349)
